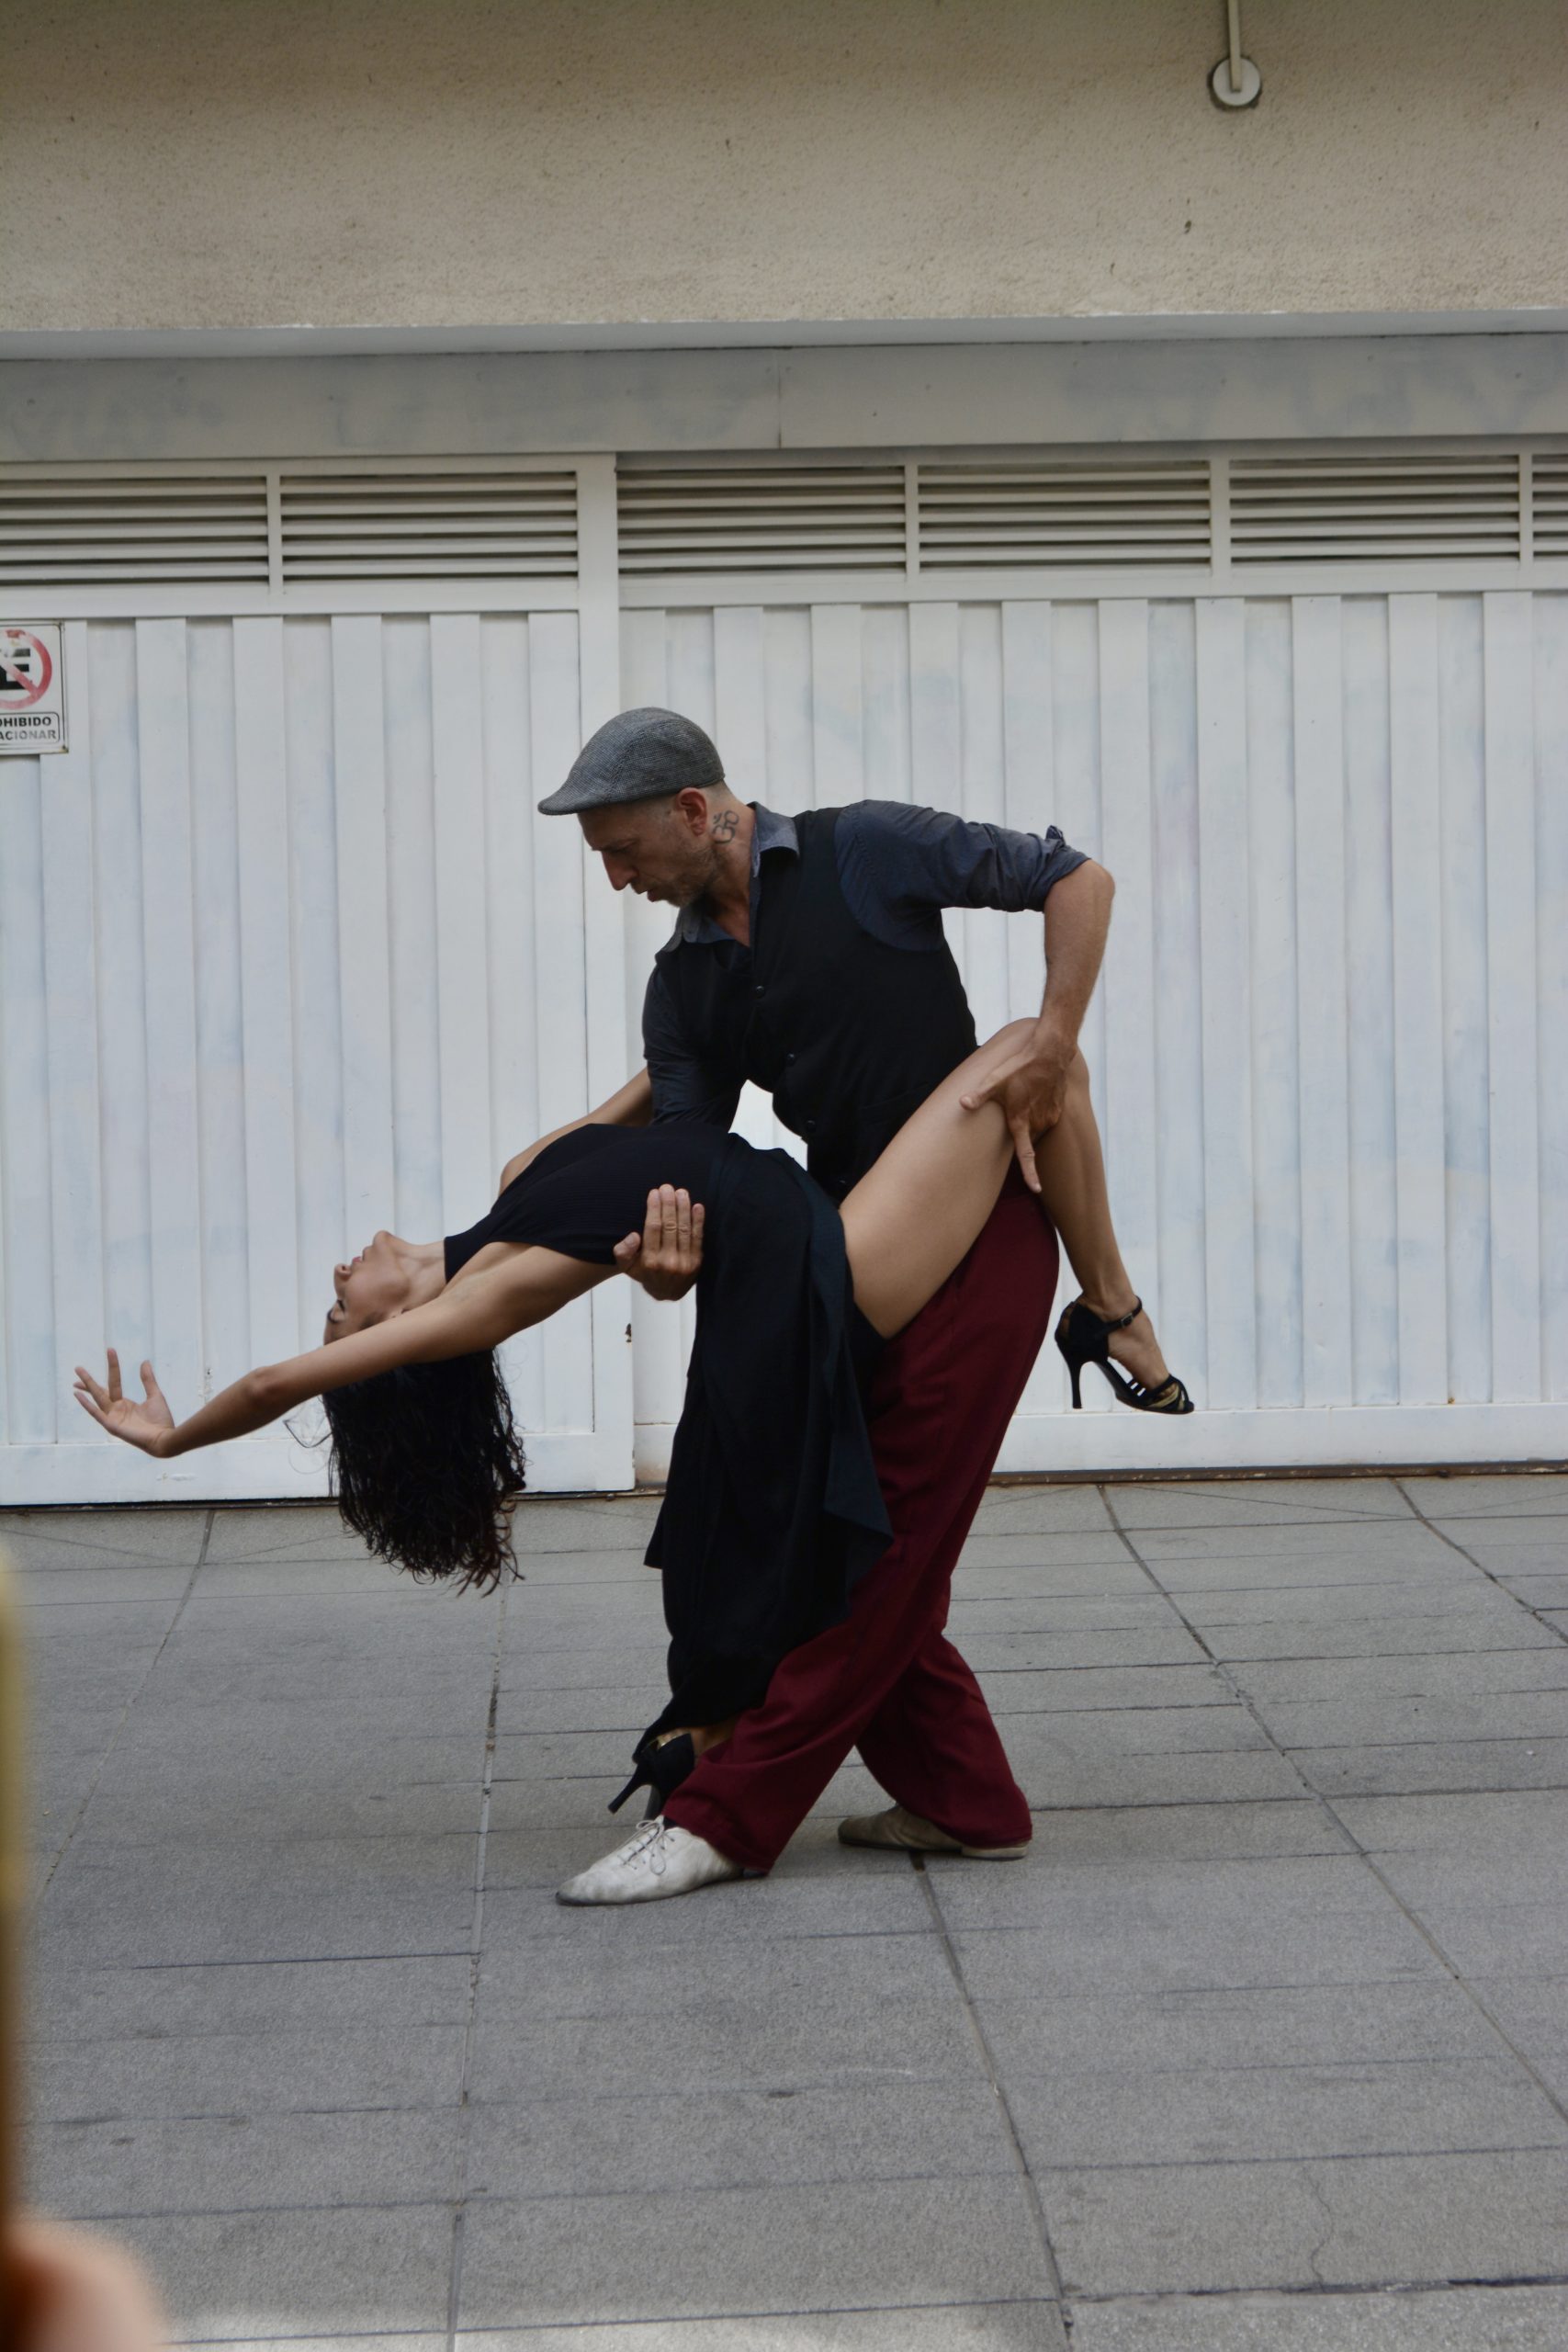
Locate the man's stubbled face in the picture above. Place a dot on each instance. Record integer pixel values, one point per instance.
(664, 850)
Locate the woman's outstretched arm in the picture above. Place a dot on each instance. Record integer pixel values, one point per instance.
(475, 1313)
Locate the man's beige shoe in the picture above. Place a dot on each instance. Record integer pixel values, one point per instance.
(905, 1831)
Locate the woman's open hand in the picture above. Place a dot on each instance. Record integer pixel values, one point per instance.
(666, 1255)
(146, 1425)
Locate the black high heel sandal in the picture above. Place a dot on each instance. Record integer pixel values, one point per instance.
(662, 1766)
(1085, 1337)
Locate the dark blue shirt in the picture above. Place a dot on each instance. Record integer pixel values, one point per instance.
(898, 867)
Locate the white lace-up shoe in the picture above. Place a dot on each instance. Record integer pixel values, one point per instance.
(662, 1860)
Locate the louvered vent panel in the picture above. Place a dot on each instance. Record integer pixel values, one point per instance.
(1366, 510)
(76, 532)
(1064, 512)
(478, 526)
(1550, 502)
(825, 518)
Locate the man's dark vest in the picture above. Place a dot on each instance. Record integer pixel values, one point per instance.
(848, 1034)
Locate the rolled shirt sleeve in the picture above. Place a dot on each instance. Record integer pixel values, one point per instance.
(900, 867)
(683, 1085)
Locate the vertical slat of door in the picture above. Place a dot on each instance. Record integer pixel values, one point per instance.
(71, 1013)
(1417, 999)
(261, 831)
(560, 981)
(1227, 1078)
(412, 929)
(659, 1339)
(169, 965)
(315, 924)
(884, 661)
(510, 819)
(1375, 1282)
(221, 1103)
(599, 665)
(122, 1021)
(1177, 1022)
(837, 725)
(469, 1160)
(1132, 1101)
(739, 694)
(935, 745)
(1029, 781)
(1511, 997)
(1322, 998)
(1466, 1093)
(33, 1347)
(1551, 919)
(1028, 805)
(980, 798)
(1276, 1106)
(786, 653)
(365, 969)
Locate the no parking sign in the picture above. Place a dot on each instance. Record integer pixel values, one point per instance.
(32, 689)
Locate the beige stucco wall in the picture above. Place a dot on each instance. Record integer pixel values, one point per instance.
(202, 163)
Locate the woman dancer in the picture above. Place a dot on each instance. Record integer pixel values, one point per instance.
(772, 1510)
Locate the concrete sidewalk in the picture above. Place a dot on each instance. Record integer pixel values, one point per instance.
(1266, 2046)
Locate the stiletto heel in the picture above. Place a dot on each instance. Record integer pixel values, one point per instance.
(1084, 1337)
(662, 1766)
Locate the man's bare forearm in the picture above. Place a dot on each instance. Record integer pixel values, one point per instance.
(1077, 918)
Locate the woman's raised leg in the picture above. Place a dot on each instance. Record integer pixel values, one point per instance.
(916, 1213)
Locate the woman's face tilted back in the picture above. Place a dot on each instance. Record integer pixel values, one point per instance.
(368, 1288)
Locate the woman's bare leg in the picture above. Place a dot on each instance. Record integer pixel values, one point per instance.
(1072, 1183)
(914, 1213)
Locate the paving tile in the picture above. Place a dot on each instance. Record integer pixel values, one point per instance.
(1456, 1764)
(1043, 1510)
(778, 2249)
(1315, 1920)
(255, 2276)
(100, 2170)
(1052, 1689)
(1290, 1537)
(1119, 1613)
(34, 1538)
(1041, 1743)
(740, 2138)
(1455, 2319)
(1533, 2013)
(1116, 1778)
(85, 1580)
(186, 2003)
(1460, 1595)
(1352, 1723)
(1220, 1502)
(1176, 1833)
(593, 1523)
(1512, 1494)
(1348, 1634)
(370, 2064)
(1431, 1675)
(202, 1814)
(295, 1901)
(858, 1893)
(950, 2327)
(1272, 2025)
(1526, 1824)
(1152, 2116)
(1536, 1590)
(1161, 1642)
(1358, 2220)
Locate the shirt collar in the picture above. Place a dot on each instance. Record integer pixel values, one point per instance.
(772, 831)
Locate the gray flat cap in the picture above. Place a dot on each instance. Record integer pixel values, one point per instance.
(637, 755)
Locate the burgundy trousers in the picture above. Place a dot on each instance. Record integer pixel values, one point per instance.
(888, 1680)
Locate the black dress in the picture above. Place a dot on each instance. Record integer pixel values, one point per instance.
(772, 1512)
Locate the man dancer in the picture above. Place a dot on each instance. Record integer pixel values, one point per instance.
(808, 958)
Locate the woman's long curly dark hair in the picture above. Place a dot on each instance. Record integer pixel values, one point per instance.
(425, 1460)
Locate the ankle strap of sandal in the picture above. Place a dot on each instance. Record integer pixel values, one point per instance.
(1131, 1317)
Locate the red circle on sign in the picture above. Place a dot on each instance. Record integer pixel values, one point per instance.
(17, 694)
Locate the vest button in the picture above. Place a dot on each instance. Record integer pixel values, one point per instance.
(811, 1126)
(760, 989)
(789, 1058)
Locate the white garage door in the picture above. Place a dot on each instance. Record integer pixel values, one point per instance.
(288, 956)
